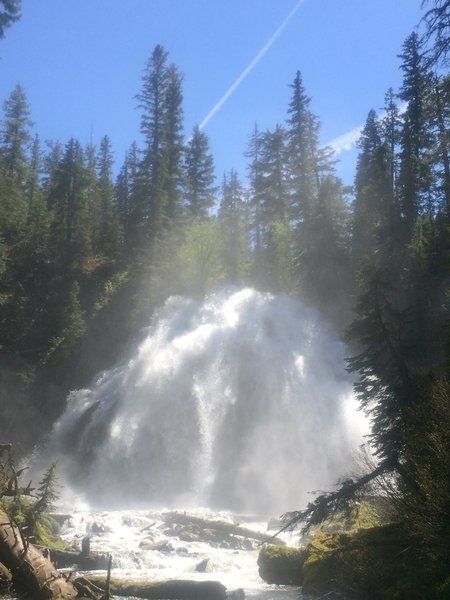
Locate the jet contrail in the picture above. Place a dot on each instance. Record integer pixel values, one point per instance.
(347, 141)
(251, 66)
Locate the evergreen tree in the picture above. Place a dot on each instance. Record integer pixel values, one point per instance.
(107, 238)
(174, 144)
(274, 194)
(38, 217)
(9, 14)
(68, 202)
(256, 192)
(16, 135)
(126, 193)
(233, 225)
(302, 147)
(374, 212)
(415, 178)
(441, 100)
(390, 132)
(199, 190)
(158, 188)
(437, 20)
(35, 169)
(52, 160)
(327, 266)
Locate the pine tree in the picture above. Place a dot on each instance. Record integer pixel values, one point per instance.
(158, 188)
(233, 225)
(126, 194)
(437, 20)
(16, 135)
(327, 266)
(302, 148)
(38, 217)
(107, 238)
(174, 144)
(390, 132)
(35, 169)
(9, 15)
(199, 190)
(441, 100)
(68, 202)
(256, 178)
(374, 215)
(275, 192)
(415, 178)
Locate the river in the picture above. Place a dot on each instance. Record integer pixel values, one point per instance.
(163, 544)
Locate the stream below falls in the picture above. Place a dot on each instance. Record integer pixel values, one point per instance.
(170, 544)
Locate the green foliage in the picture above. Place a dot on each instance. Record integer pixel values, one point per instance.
(378, 563)
(199, 190)
(9, 14)
(73, 326)
(26, 506)
(426, 508)
(46, 493)
(109, 290)
(281, 265)
(198, 257)
(437, 20)
(232, 220)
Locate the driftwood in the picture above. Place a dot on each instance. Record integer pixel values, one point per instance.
(32, 573)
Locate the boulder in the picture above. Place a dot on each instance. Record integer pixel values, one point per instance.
(93, 561)
(281, 565)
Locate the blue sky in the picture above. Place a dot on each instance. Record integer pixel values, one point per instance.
(80, 63)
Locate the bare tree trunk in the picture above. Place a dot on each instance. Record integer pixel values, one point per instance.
(31, 571)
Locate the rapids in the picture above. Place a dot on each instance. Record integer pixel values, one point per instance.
(145, 545)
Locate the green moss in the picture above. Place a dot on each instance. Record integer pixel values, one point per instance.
(47, 533)
(380, 563)
(281, 565)
(371, 512)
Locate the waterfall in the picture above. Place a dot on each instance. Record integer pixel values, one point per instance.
(239, 402)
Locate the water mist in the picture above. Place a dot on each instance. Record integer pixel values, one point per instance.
(241, 402)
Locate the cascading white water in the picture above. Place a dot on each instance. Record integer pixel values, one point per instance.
(240, 402)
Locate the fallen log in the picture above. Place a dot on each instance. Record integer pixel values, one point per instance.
(179, 589)
(221, 527)
(31, 572)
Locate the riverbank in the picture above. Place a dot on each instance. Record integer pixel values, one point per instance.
(375, 563)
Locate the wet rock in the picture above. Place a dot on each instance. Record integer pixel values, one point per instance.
(281, 565)
(238, 594)
(162, 546)
(60, 518)
(202, 566)
(92, 562)
(99, 528)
